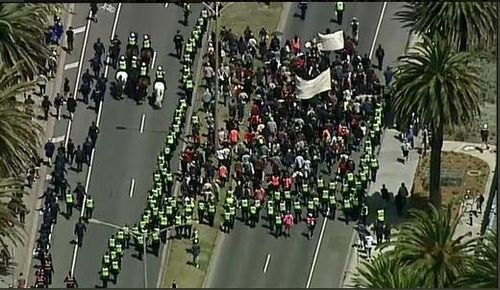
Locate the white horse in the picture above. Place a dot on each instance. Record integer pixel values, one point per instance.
(121, 79)
(159, 92)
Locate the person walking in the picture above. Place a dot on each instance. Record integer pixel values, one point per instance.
(405, 149)
(288, 221)
(87, 150)
(69, 39)
(93, 12)
(339, 10)
(71, 106)
(195, 251)
(66, 88)
(80, 230)
(388, 76)
(42, 84)
(49, 151)
(178, 41)
(93, 133)
(46, 104)
(368, 246)
(79, 158)
(380, 53)
(58, 103)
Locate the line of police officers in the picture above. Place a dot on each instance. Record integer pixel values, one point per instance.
(163, 210)
(317, 196)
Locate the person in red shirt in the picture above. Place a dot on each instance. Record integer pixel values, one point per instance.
(288, 221)
(223, 175)
(311, 224)
(233, 136)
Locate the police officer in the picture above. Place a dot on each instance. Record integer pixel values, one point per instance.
(380, 216)
(253, 214)
(89, 207)
(332, 204)
(178, 225)
(178, 42)
(160, 73)
(70, 203)
(245, 207)
(186, 9)
(132, 39)
(155, 243)
(226, 224)
(126, 236)
(211, 211)
(278, 224)
(347, 209)
(104, 274)
(146, 42)
(79, 231)
(122, 63)
(144, 70)
(270, 214)
(374, 167)
(201, 210)
(339, 9)
(189, 226)
(297, 210)
(134, 63)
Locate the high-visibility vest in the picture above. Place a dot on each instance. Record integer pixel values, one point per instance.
(310, 204)
(227, 215)
(119, 250)
(211, 208)
(144, 71)
(362, 176)
(380, 215)
(160, 74)
(201, 205)
(189, 84)
(320, 183)
(332, 185)
(282, 206)
(305, 188)
(189, 47)
(316, 201)
(297, 206)
(232, 210)
(132, 41)
(347, 204)
(176, 128)
(257, 203)
(325, 193)
(204, 13)
(178, 220)
(229, 200)
(339, 6)
(350, 177)
(111, 243)
(134, 64)
(120, 235)
(170, 140)
(244, 203)
(270, 210)
(122, 65)
(278, 219)
(105, 259)
(156, 234)
(288, 194)
(146, 43)
(253, 209)
(364, 210)
(376, 127)
(69, 198)
(113, 255)
(104, 272)
(89, 203)
(114, 266)
(332, 200)
(277, 195)
(374, 163)
(163, 221)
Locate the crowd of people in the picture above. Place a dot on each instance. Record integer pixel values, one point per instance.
(279, 157)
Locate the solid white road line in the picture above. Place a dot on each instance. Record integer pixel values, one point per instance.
(79, 29)
(166, 5)
(153, 60)
(58, 139)
(132, 187)
(267, 263)
(87, 183)
(323, 227)
(143, 119)
(316, 252)
(71, 65)
(380, 18)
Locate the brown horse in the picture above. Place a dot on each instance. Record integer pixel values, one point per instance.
(142, 86)
(146, 55)
(132, 50)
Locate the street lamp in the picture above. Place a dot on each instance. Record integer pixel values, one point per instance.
(217, 12)
(143, 237)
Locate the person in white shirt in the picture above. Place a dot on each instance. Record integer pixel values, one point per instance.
(368, 246)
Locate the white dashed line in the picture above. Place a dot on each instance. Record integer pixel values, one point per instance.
(71, 65)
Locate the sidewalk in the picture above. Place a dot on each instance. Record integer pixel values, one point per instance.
(392, 173)
(21, 254)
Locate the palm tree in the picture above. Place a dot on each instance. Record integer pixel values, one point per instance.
(465, 24)
(386, 271)
(428, 243)
(10, 228)
(482, 270)
(22, 36)
(19, 135)
(443, 88)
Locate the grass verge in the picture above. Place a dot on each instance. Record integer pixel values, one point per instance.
(237, 16)
(459, 172)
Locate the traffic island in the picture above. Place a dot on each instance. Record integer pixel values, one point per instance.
(179, 268)
(460, 172)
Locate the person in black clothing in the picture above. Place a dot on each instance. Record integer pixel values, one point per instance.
(80, 230)
(99, 49)
(178, 41)
(93, 133)
(380, 53)
(58, 103)
(93, 11)
(174, 284)
(79, 158)
(87, 78)
(96, 97)
(69, 39)
(85, 90)
(379, 232)
(71, 106)
(114, 51)
(385, 193)
(87, 150)
(387, 233)
(195, 251)
(80, 194)
(66, 88)
(46, 104)
(49, 151)
(70, 154)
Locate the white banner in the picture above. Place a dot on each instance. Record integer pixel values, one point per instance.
(308, 89)
(332, 41)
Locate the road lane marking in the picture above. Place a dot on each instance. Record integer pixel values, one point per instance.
(166, 5)
(153, 60)
(132, 187)
(71, 65)
(79, 29)
(108, 7)
(267, 263)
(106, 70)
(380, 18)
(142, 122)
(58, 139)
(316, 252)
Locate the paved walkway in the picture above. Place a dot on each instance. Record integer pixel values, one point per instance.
(21, 254)
(393, 172)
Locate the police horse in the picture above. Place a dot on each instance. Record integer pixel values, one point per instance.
(121, 77)
(159, 88)
(146, 50)
(143, 82)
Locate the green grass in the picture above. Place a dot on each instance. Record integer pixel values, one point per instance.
(237, 17)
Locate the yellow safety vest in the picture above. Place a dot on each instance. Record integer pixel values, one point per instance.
(339, 6)
(380, 215)
(144, 70)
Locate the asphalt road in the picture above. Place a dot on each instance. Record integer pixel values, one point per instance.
(242, 261)
(122, 152)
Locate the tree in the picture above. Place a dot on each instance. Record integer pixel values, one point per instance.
(386, 271)
(482, 270)
(428, 243)
(10, 228)
(465, 24)
(443, 88)
(22, 36)
(19, 135)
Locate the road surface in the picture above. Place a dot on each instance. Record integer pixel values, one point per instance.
(253, 257)
(130, 139)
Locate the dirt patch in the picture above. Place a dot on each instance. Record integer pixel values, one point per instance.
(459, 172)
